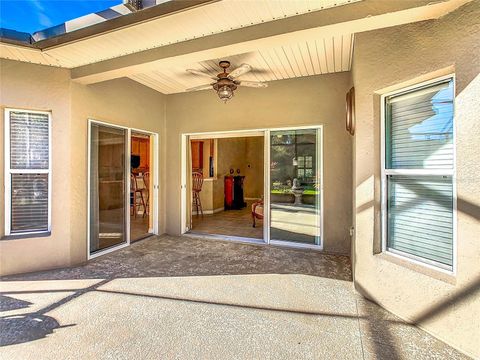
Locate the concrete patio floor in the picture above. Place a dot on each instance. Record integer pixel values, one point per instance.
(182, 298)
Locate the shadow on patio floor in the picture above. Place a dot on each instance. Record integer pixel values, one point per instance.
(176, 297)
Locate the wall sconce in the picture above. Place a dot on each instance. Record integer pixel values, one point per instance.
(350, 111)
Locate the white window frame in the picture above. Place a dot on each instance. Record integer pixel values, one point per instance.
(436, 172)
(8, 173)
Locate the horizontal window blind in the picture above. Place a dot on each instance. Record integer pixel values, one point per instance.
(28, 140)
(29, 202)
(420, 219)
(419, 207)
(28, 171)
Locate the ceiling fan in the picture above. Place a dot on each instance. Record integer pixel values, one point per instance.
(226, 82)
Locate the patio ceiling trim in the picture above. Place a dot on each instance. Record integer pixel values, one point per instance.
(353, 18)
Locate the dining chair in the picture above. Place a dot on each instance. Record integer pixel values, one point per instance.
(136, 191)
(257, 211)
(146, 190)
(197, 182)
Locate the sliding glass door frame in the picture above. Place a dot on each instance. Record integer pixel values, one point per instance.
(91, 122)
(267, 202)
(267, 188)
(156, 163)
(185, 197)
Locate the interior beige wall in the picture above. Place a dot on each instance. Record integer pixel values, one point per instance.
(206, 158)
(231, 155)
(37, 87)
(246, 154)
(446, 306)
(254, 167)
(283, 104)
(206, 196)
(122, 102)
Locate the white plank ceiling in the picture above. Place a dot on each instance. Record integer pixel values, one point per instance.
(306, 58)
(198, 22)
(293, 56)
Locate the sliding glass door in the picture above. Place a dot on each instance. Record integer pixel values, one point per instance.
(290, 209)
(108, 210)
(295, 186)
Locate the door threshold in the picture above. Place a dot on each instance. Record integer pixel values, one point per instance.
(142, 237)
(107, 250)
(296, 245)
(253, 241)
(239, 239)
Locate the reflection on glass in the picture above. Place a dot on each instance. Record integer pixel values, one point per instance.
(29, 202)
(29, 142)
(420, 129)
(107, 187)
(420, 217)
(295, 186)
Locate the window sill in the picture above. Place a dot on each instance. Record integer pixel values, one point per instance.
(25, 236)
(425, 269)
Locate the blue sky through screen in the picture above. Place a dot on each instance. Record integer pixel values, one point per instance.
(33, 15)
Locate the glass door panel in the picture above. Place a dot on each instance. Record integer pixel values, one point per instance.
(295, 186)
(108, 186)
(141, 186)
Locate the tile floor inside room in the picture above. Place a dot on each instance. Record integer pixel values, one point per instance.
(289, 223)
(182, 298)
(138, 227)
(230, 223)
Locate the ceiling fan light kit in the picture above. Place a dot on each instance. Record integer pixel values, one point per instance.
(225, 93)
(226, 83)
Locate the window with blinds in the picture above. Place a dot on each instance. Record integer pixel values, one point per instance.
(27, 178)
(418, 194)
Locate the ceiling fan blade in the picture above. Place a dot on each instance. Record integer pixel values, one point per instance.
(242, 69)
(200, 87)
(254, 84)
(200, 73)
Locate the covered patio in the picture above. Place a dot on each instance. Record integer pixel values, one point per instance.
(179, 297)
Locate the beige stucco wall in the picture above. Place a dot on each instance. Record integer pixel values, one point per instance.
(122, 102)
(446, 306)
(307, 101)
(36, 87)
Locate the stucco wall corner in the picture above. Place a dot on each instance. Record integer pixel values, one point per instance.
(448, 306)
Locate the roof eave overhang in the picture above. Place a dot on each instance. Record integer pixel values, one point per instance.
(18, 38)
(52, 39)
